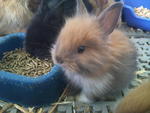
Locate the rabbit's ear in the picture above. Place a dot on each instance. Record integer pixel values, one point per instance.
(81, 8)
(108, 19)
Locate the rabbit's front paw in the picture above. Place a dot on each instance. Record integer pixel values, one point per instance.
(83, 98)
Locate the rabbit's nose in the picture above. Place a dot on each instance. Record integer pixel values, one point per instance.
(59, 59)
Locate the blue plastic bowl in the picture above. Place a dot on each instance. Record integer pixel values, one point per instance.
(131, 18)
(28, 91)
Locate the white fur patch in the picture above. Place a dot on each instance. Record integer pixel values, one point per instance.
(91, 86)
(53, 53)
(83, 98)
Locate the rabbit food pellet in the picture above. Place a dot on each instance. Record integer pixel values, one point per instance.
(143, 12)
(19, 62)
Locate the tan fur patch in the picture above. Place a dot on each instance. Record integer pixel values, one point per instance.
(137, 101)
(100, 5)
(14, 15)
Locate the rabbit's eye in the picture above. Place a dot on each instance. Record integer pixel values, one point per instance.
(81, 49)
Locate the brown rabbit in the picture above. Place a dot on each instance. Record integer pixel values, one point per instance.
(14, 15)
(93, 54)
(137, 101)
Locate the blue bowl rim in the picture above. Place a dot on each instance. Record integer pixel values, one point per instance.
(53, 69)
(136, 16)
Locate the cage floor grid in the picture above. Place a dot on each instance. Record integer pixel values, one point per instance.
(130, 31)
(141, 40)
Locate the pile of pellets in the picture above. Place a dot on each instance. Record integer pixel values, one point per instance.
(20, 62)
(143, 12)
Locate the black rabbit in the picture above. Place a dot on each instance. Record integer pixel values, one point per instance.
(46, 24)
